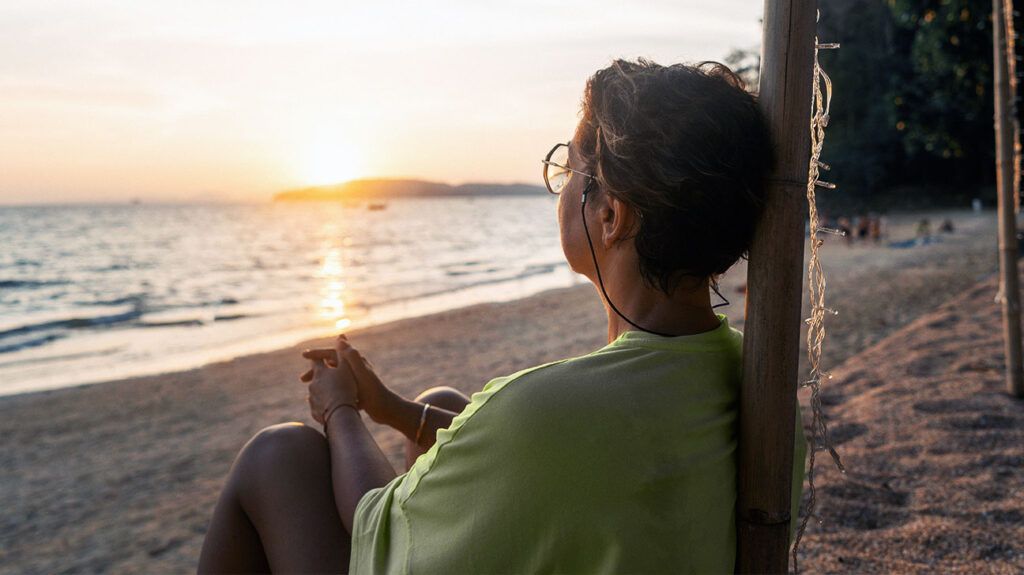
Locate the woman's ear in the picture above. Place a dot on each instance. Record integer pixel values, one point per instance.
(617, 220)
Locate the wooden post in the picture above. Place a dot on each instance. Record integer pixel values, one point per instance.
(771, 344)
(1009, 283)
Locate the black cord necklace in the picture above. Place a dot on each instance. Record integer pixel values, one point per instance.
(600, 281)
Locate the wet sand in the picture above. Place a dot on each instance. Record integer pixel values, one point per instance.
(122, 476)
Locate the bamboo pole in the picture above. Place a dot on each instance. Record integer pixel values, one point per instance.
(1009, 284)
(771, 343)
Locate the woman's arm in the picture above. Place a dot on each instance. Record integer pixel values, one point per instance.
(404, 416)
(378, 401)
(357, 463)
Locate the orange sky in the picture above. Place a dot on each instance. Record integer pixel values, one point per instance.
(234, 101)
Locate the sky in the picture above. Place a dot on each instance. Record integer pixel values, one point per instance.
(236, 100)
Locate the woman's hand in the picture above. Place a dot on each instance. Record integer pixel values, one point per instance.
(374, 397)
(331, 383)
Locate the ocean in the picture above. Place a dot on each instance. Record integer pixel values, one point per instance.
(92, 293)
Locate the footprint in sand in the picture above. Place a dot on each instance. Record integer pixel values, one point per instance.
(866, 505)
(843, 432)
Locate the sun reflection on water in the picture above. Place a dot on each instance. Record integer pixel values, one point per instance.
(332, 306)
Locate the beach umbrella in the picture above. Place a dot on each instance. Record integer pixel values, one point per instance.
(1007, 178)
(771, 343)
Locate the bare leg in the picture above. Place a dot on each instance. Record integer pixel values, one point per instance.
(447, 398)
(277, 510)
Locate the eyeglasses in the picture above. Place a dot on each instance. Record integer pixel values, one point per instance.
(556, 168)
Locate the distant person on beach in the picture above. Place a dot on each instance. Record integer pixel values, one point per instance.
(947, 226)
(924, 230)
(875, 228)
(619, 460)
(846, 228)
(863, 227)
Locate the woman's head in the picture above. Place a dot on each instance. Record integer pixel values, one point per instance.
(686, 149)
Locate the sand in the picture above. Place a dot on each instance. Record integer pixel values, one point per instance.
(934, 449)
(122, 476)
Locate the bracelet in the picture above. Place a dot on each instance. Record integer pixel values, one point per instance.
(330, 412)
(423, 420)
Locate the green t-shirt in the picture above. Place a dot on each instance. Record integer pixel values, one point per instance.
(619, 461)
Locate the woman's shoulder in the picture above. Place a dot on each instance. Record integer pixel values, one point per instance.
(502, 381)
(641, 355)
(625, 376)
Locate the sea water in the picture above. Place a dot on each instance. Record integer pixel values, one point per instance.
(98, 292)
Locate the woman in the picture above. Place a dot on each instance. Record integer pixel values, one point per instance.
(621, 460)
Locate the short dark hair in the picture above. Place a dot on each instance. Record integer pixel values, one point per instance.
(688, 148)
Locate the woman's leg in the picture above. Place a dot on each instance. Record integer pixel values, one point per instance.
(447, 398)
(277, 510)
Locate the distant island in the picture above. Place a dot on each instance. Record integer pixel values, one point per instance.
(401, 188)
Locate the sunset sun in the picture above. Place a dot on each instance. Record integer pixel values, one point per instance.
(330, 161)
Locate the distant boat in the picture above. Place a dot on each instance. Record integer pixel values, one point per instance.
(376, 207)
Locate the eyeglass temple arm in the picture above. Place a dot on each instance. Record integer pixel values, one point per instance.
(550, 163)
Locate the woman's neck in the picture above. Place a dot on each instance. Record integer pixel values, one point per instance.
(686, 312)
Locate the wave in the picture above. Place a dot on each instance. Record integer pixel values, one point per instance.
(142, 300)
(193, 321)
(59, 358)
(136, 300)
(33, 342)
(22, 263)
(71, 323)
(30, 284)
(48, 330)
(456, 273)
(172, 323)
(112, 268)
(465, 263)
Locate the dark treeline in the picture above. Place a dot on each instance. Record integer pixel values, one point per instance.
(911, 121)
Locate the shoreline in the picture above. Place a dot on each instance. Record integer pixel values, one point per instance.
(304, 343)
(431, 304)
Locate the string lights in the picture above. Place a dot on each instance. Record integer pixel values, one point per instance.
(816, 281)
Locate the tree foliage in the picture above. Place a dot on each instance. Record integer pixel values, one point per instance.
(944, 105)
(913, 95)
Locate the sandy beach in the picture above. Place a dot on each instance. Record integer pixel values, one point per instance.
(934, 450)
(121, 477)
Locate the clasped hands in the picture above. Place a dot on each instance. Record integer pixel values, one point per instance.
(341, 375)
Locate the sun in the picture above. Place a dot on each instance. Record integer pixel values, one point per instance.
(330, 161)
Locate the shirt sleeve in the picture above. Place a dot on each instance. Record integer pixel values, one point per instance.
(440, 515)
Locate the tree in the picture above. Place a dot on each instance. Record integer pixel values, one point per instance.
(864, 143)
(942, 102)
(913, 97)
(746, 62)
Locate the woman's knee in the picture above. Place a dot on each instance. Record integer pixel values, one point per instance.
(447, 398)
(285, 444)
(282, 478)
